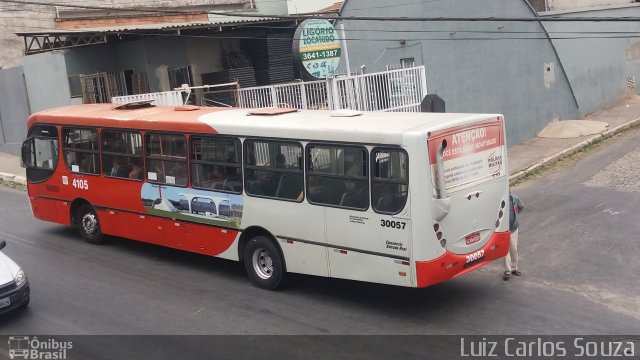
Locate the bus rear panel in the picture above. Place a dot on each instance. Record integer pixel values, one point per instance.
(469, 203)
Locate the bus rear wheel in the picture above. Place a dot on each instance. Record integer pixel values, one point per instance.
(263, 263)
(89, 225)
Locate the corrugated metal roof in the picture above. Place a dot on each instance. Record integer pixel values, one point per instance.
(214, 21)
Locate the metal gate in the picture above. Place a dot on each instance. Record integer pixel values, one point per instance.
(100, 87)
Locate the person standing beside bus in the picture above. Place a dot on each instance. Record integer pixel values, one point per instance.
(511, 260)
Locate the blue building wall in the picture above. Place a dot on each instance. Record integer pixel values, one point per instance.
(47, 82)
(14, 110)
(495, 67)
(597, 67)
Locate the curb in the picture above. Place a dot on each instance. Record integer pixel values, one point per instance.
(11, 178)
(572, 150)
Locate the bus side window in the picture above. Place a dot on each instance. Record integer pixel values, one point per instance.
(40, 152)
(80, 147)
(122, 154)
(273, 169)
(337, 176)
(390, 173)
(167, 159)
(215, 164)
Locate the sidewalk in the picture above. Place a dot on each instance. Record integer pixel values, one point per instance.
(10, 169)
(524, 158)
(535, 153)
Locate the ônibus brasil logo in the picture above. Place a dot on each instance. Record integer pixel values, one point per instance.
(32, 348)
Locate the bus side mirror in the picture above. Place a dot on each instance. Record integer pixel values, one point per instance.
(28, 153)
(2, 244)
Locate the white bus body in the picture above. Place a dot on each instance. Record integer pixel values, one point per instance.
(434, 238)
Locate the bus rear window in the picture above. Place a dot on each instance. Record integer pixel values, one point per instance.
(471, 154)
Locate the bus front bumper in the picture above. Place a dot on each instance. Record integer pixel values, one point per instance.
(452, 265)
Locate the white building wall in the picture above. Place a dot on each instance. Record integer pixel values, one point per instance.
(306, 6)
(582, 4)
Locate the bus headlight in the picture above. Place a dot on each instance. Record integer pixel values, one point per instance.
(20, 277)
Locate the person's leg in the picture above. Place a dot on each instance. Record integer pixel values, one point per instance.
(507, 263)
(513, 251)
(511, 260)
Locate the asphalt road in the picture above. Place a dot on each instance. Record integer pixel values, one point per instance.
(579, 248)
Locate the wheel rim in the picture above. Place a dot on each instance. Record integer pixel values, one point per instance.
(262, 263)
(90, 224)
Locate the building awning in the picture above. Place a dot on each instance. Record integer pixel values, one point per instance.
(43, 41)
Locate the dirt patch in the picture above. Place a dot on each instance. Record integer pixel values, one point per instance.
(13, 185)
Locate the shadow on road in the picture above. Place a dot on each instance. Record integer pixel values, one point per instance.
(391, 300)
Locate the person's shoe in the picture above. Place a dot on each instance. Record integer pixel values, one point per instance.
(506, 276)
(516, 273)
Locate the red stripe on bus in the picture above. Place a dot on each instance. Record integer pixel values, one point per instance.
(452, 265)
(159, 118)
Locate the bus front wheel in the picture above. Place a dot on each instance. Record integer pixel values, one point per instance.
(89, 225)
(263, 263)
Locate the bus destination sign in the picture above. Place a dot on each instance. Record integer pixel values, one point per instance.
(316, 48)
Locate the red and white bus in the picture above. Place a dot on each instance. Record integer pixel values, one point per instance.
(409, 199)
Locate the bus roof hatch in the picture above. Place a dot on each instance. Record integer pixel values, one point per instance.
(135, 105)
(272, 111)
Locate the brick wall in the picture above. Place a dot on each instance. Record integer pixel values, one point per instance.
(19, 18)
(129, 20)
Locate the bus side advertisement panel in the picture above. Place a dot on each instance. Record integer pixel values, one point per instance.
(473, 153)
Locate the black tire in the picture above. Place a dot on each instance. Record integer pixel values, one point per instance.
(89, 225)
(264, 264)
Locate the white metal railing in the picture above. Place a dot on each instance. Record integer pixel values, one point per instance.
(312, 95)
(166, 98)
(391, 90)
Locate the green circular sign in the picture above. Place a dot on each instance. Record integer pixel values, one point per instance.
(316, 48)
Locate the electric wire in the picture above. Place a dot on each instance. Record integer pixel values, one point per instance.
(354, 18)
